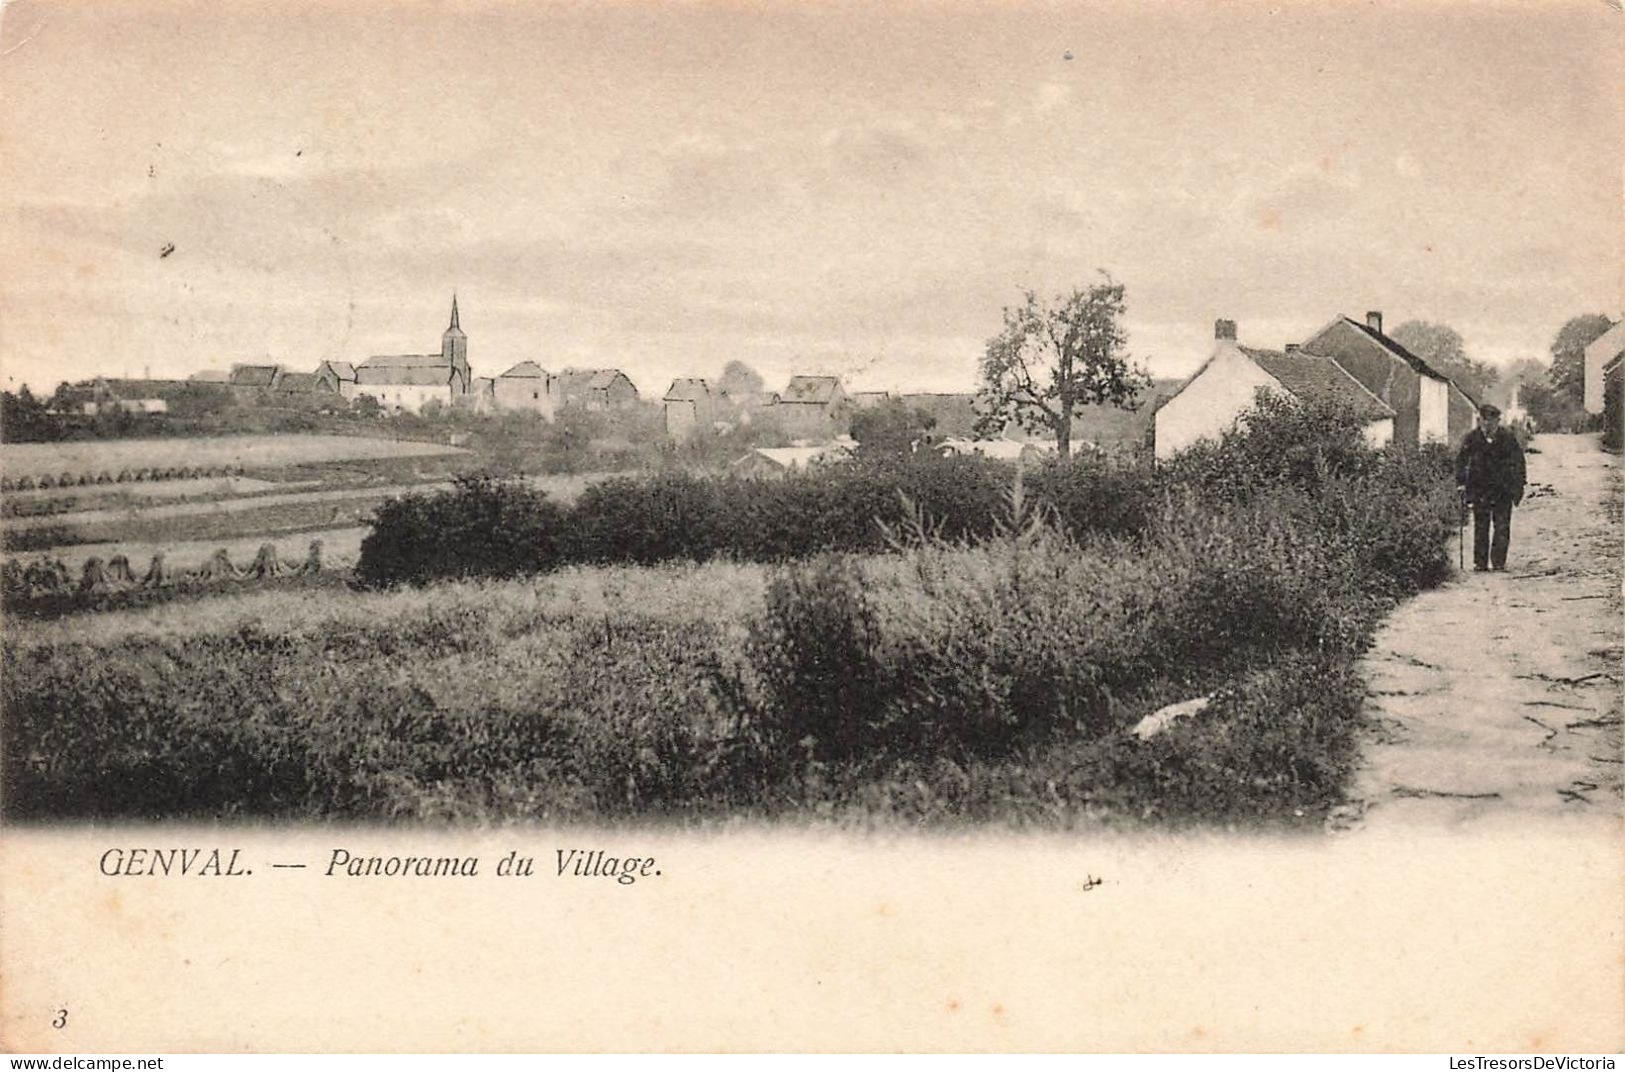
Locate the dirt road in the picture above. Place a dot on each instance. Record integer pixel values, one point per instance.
(1499, 694)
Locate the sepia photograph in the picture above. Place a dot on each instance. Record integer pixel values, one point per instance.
(1057, 525)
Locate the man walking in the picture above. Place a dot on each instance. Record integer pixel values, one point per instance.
(1490, 478)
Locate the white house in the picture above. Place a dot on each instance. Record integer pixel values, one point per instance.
(1598, 356)
(1227, 384)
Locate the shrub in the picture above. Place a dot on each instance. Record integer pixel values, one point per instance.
(483, 527)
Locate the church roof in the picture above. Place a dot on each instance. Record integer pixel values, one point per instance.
(403, 361)
(404, 375)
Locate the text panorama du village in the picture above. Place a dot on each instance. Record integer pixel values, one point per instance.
(342, 863)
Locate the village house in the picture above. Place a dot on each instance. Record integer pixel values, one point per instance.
(1428, 407)
(337, 377)
(250, 378)
(813, 408)
(690, 408)
(411, 381)
(526, 386)
(597, 390)
(1603, 351)
(1226, 386)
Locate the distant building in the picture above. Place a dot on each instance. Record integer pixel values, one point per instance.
(813, 407)
(1601, 353)
(1226, 386)
(337, 377)
(1428, 407)
(526, 386)
(869, 399)
(690, 408)
(210, 376)
(411, 381)
(596, 389)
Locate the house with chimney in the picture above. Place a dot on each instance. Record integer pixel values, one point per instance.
(1226, 385)
(1428, 406)
(408, 382)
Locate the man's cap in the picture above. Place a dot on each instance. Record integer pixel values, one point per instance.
(1487, 410)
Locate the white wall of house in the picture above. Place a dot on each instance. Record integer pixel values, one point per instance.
(1601, 351)
(534, 393)
(1210, 404)
(1433, 411)
(406, 396)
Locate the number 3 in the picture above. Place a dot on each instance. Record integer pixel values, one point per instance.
(61, 1020)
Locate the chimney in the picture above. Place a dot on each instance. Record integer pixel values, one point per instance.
(1292, 347)
(1373, 320)
(1224, 329)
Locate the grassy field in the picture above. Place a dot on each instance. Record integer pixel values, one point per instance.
(244, 451)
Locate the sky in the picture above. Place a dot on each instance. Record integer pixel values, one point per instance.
(817, 187)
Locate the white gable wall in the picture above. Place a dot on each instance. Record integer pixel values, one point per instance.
(1597, 356)
(1433, 411)
(1210, 404)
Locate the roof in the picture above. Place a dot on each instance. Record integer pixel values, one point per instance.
(1310, 376)
(408, 376)
(588, 379)
(526, 370)
(297, 382)
(819, 390)
(404, 361)
(796, 457)
(253, 375)
(1610, 342)
(1390, 345)
(342, 369)
(210, 376)
(869, 399)
(688, 389)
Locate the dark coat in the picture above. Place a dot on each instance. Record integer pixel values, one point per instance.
(1490, 471)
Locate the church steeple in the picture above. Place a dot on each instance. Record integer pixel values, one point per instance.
(454, 348)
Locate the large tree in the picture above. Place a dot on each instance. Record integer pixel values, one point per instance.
(739, 380)
(1055, 357)
(891, 428)
(1442, 347)
(1569, 353)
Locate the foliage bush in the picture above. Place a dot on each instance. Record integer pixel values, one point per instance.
(483, 527)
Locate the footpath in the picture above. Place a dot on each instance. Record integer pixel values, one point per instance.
(1499, 695)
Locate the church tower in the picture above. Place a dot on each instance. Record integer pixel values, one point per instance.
(454, 350)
